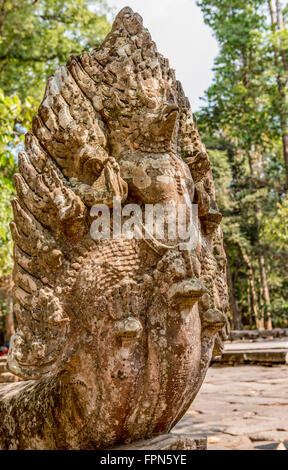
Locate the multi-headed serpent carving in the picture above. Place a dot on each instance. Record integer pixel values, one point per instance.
(114, 336)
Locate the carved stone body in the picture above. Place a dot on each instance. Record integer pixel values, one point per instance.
(114, 336)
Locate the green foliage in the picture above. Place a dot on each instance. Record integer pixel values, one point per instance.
(15, 118)
(241, 124)
(275, 226)
(38, 35)
(223, 175)
(239, 96)
(279, 310)
(5, 235)
(3, 313)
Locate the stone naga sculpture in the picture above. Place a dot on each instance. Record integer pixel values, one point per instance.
(114, 336)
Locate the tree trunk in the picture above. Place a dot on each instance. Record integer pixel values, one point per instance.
(279, 15)
(264, 290)
(285, 152)
(237, 320)
(258, 318)
(2, 16)
(249, 301)
(280, 54)
(281, 27)
(266, 294)
(272, 12)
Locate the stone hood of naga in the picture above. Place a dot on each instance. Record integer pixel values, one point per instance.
(131, 322)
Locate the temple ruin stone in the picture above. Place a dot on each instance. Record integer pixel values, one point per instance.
(114, 336)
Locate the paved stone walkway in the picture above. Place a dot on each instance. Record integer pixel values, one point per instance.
(241, 407)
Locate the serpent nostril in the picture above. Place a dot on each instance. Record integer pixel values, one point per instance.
(128, 329)
(213, 318)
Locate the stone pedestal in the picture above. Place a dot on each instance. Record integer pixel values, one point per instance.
(167, 442)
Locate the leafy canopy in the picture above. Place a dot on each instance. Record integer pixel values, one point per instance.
(37, 35)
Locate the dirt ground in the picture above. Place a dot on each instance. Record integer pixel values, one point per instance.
(241, 408)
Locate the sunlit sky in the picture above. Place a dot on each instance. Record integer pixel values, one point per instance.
(179, 31)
